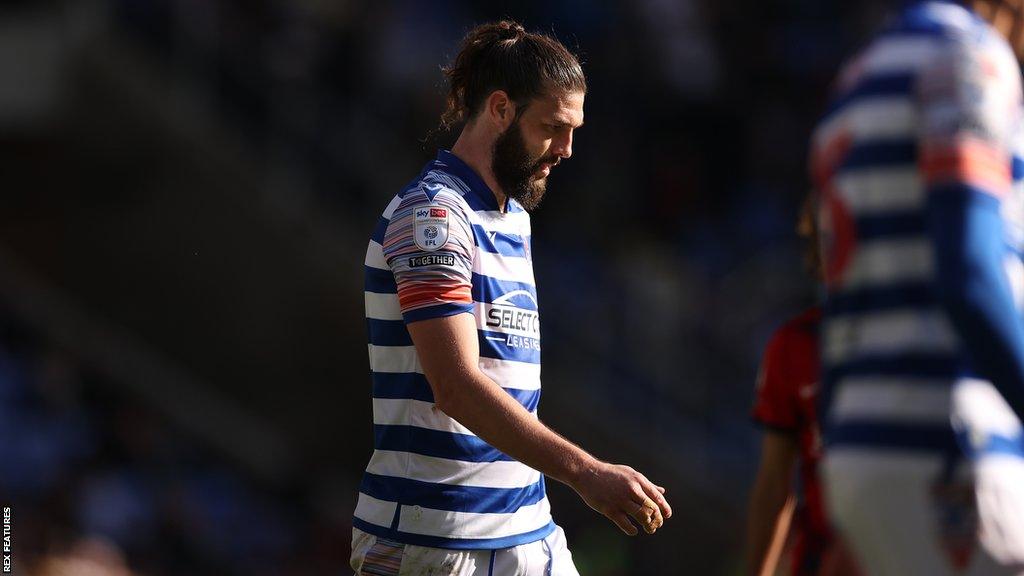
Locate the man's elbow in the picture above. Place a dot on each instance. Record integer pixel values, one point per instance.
(446, 397)
(445, 402)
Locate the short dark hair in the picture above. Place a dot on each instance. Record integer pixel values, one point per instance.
(504, 56)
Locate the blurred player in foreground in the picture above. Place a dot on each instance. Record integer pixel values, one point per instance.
(786, 406)
(923, 342)
(455, 482)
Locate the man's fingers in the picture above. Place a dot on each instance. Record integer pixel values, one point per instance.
(622, 521)
(655, 493)
(641, 506)
(648, 515)
(657, 519)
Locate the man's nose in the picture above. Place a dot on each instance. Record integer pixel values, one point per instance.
(562, 146)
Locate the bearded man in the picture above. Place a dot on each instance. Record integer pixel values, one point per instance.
(456, 480)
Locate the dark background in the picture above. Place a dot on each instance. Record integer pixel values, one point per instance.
(187, 191)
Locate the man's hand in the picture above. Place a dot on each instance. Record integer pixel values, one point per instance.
(449, 353)
(620, 493)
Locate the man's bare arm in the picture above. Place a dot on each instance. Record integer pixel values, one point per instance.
(448, 350)
(779, 453)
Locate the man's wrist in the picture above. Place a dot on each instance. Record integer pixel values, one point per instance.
(579, 468)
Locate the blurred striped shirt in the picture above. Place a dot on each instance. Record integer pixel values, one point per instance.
(932, 105)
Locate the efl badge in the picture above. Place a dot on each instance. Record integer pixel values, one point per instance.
(430, 227)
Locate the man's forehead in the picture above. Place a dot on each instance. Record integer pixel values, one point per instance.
(564, 107)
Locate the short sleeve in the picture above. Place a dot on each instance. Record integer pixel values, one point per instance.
(970, 98)
(429, 247)
(775, 401)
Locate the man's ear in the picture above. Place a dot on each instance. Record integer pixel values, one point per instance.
(500, 110)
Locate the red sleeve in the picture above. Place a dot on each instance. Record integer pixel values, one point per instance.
(775, 404)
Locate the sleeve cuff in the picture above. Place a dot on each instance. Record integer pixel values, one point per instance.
(438, 311)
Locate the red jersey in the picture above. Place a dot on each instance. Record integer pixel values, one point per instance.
(787, 396)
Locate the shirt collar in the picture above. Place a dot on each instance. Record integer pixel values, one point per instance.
(455, 166)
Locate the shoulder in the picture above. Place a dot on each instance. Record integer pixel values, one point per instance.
(434, 187)
(431, 214)
(432, 196)
(926, 32)
(797, 335)
(791, 357)
(970, 84)
(911, 43)
(803, 324)
(959, 32)
(806, 322)
(778, 376)
(938, 19)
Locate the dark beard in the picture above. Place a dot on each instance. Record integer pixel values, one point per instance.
(514, 169)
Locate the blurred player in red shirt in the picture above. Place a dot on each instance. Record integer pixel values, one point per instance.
(786, 406)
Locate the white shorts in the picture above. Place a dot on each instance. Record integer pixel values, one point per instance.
(373, 556)
(902, 518)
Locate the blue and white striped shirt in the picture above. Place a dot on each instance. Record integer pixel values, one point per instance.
(443, 247)
(933, 101)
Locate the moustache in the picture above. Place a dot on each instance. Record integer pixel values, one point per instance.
(550, 160)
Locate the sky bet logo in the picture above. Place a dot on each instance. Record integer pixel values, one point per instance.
(431, 213)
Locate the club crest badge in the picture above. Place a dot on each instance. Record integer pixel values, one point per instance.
(430, 227)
